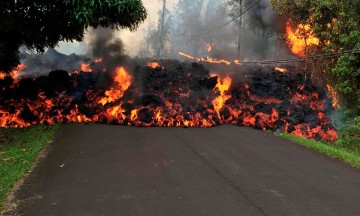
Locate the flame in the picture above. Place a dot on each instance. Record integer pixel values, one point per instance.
(123, 81)
(209, 47)
(15, 74)
(187, 56)
(282, 70)
(227, 103)
(86, 68)
(99, 60)
(209, 59)
(2, 75)
(334, 96)
(301, 38)
(153, 65)
(222, 86)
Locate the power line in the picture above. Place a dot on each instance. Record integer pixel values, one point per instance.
(214, 9)
(225, 24)
(313, 57)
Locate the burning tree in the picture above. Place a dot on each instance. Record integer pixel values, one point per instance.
(40, 24)
(335, 24)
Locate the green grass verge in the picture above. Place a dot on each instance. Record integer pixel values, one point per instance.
(334, 150)
(18, 151)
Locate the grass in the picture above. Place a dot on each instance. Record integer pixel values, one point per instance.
(19, 149)
(331, 150)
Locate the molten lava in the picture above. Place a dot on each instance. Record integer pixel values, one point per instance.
(122, 80)
(86, 68)
(300, 39)
(222, 86)
(153, 65)
(182, 95)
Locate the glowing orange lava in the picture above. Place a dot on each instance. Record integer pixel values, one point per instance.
(222, 86)
(2, 75)
(15, 74)
(153, 65)
(86, 68)
(123, 81)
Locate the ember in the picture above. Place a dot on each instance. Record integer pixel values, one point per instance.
(176, 95)
(282, 70)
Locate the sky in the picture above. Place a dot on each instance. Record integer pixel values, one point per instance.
(131, 40)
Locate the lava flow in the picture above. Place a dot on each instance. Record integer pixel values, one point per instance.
(177, 94)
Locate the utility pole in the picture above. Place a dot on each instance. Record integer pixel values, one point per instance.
(160, 46)
(240, 28)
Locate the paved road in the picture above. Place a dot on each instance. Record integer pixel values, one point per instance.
(227, 170)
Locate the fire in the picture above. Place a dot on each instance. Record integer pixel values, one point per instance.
(282, 70)
(2, 75)
(209, 59)
(209, 47)
(153, 65)
(301, 38)
(334, 96)
(99, 60)
(222, 86)
(187, 56)
(86, 68)
(15, 74)
(267, 101)
(123, 82)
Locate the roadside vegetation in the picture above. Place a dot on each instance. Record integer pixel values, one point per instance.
(19, 149)
(346, 148)
(336, 24)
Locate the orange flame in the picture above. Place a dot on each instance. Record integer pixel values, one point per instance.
(99, 60)
(123, 81)
(334, 96)
(153, 65)
(222, 86)
(282, 70)
(15, 74)
(301, 38)
(2, 75)
(86, 68)
(208, 59)
(209, 47)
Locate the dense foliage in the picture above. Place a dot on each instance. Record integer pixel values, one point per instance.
(337, 24)
(40, 24)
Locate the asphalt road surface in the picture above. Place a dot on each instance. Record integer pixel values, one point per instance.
(227, 170)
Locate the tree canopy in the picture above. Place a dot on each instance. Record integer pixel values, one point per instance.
(337, 24)
(39, 24)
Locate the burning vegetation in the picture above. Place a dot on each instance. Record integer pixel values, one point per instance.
(175, 94)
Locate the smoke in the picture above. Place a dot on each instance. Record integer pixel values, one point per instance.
(43, 64)
(198, 23)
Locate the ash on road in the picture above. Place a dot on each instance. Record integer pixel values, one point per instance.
(226, 170)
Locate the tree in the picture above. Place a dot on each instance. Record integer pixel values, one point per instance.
(188, 25)
(337, 24)
(256, 26)
(40, 24)
(153, 38)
